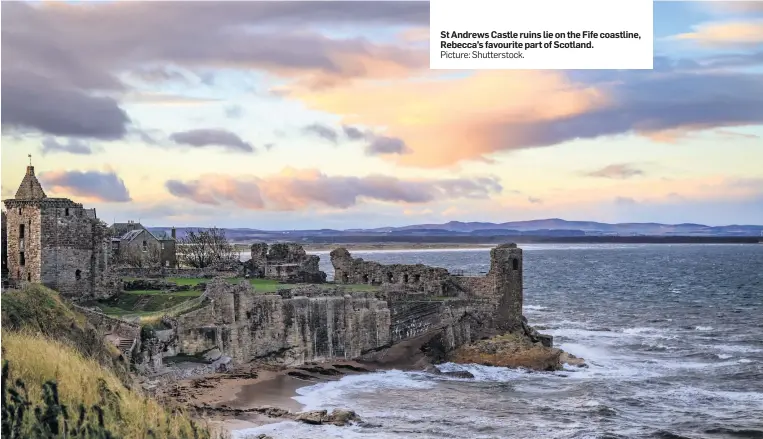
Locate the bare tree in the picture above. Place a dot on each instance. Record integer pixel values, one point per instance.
(206, 249)
(136, 257)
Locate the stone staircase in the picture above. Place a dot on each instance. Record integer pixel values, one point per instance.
(125, 346)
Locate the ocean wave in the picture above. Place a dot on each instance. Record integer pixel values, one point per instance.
(333, 394)
(483, 373)
(535, 307)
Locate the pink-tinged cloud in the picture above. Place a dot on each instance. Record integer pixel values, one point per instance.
(300, 189)
(726, 33)
(56, 55)
(90, 185)
(445, 122)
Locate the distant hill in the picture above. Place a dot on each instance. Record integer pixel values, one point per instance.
(471, 231)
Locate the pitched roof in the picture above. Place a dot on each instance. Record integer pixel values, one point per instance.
(30, 188)
(132, 234)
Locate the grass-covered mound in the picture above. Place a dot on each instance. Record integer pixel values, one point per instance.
(40, 310)
(50, 390)
(62, 380)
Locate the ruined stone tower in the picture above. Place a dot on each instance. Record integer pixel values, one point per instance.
(506, 271)
(54, 241)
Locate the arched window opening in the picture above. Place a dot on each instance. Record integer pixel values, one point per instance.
(78, 275)
(390, 278)
(405, 278)
(515, 264)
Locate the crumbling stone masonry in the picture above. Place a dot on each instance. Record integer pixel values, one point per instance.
(314, 323)
(57, 242)
(502, 285)
(286, 262)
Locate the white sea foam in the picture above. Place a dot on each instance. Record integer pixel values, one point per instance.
(535, 308)
(298, 430)
(723, 356)
(333, 394)
(703, 328)
(484, 373)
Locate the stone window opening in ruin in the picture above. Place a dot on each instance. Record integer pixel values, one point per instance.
(405, 278)
(19, 211)
(21, 231)
(78, 274)
(66, 212)
(29, 277)
(145, 246)
(345, 278)
(22, 259)
(417, 278)
(365, 278)
(515, 264)
(390, 278)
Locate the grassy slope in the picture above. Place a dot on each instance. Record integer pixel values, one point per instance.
(44, 339)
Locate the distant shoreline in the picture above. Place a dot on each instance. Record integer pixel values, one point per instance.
(443, 242)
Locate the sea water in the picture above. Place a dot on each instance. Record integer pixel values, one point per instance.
(672, 334)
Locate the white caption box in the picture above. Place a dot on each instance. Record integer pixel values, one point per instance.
(503, 35)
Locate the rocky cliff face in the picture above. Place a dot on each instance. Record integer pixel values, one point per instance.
(315, 324)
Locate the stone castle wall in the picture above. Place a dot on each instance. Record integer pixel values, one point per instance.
(286, 262)
(28, 214)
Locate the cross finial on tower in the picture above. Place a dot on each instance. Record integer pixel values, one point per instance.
(30, 159)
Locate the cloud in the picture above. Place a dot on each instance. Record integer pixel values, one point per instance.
(51, 145)
(99, 186)
(322, 131)
(616, 171)
(510, 110)
(726, 33)
(625, 201)
(234, 111)
(534, 200)
(30, 101)
(377, 144)
(301, 189)
(59, 60)
(204, 137)
(353, 133)
(157, 75)
(387, 145)
(165, 99)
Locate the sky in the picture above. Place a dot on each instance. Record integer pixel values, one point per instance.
(306, 115)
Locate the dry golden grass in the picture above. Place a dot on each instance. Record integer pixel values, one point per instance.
(36, 359)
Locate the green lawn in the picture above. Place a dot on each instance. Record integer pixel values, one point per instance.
(144, 302)
(148, 302)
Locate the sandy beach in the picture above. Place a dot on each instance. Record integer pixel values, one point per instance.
(230, 400)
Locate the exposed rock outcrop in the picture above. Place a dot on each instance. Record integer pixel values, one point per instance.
(338, 417)
(509, 350)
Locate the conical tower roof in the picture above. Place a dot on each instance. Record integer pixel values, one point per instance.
(30, 188)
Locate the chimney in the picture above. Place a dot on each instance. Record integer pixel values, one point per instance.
(173, 233)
